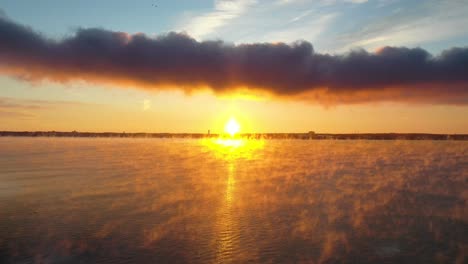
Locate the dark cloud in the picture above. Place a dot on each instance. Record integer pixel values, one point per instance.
(178, 61)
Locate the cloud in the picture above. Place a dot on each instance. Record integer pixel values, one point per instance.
(356, 1)
(8, 103)
(326, 2)
(301, 16)
(431, 22)
(29, 109)
(18, 109)
(287, 2)
(225, 11)
(15, 114)
(311, 28)
(13, 104)
(292, 71)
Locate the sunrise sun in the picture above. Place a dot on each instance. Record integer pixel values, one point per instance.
(232, 127)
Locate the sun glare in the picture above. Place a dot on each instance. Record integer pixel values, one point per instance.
(232, 127)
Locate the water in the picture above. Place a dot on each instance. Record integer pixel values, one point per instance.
(85, 200)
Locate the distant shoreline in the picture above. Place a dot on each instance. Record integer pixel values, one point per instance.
(305, 136)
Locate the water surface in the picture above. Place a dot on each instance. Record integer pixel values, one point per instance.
(87, 200)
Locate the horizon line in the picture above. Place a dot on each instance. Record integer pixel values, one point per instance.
(303, 136)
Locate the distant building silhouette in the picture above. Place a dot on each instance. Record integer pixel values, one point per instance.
(311, 134)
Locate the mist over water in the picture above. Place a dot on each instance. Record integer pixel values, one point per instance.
(89, 200)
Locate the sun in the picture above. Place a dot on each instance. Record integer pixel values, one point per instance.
(232, 127)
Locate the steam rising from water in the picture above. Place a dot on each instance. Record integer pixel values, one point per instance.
(173, 200)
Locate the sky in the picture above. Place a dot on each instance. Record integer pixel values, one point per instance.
(331, 66)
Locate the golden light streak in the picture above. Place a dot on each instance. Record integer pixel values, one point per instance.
(227, 230)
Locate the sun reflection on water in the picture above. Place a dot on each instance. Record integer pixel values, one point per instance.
(227, 230)
(231, 183)
(230, 149)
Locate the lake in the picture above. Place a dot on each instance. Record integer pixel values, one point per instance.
(112, 200)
